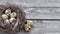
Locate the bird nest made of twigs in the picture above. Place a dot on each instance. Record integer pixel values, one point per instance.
(12, 18)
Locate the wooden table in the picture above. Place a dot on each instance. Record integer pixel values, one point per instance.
(44, 13)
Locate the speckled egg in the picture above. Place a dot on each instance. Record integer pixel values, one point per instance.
(4, 16)
(11, 20)
(29, 22)
(7, 21)
(8, 12)
(13, 15)
(27, 29)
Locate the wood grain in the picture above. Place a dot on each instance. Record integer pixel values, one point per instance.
(46, 11)
(42, 13)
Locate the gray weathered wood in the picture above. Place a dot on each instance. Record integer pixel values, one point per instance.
(34, 3)
(42, 13)
(37, 3)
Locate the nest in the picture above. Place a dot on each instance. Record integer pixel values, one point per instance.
(20, 19)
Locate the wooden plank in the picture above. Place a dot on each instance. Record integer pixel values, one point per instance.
(42, 13)
(34, 3)
(37, 3)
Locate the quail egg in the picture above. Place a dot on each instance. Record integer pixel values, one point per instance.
(4, 16)
(12, 19)
(29, 22)
(13, 15)
(27, 29)
(7, 21)
(8, 12)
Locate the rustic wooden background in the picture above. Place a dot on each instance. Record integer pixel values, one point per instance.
(44, 13)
